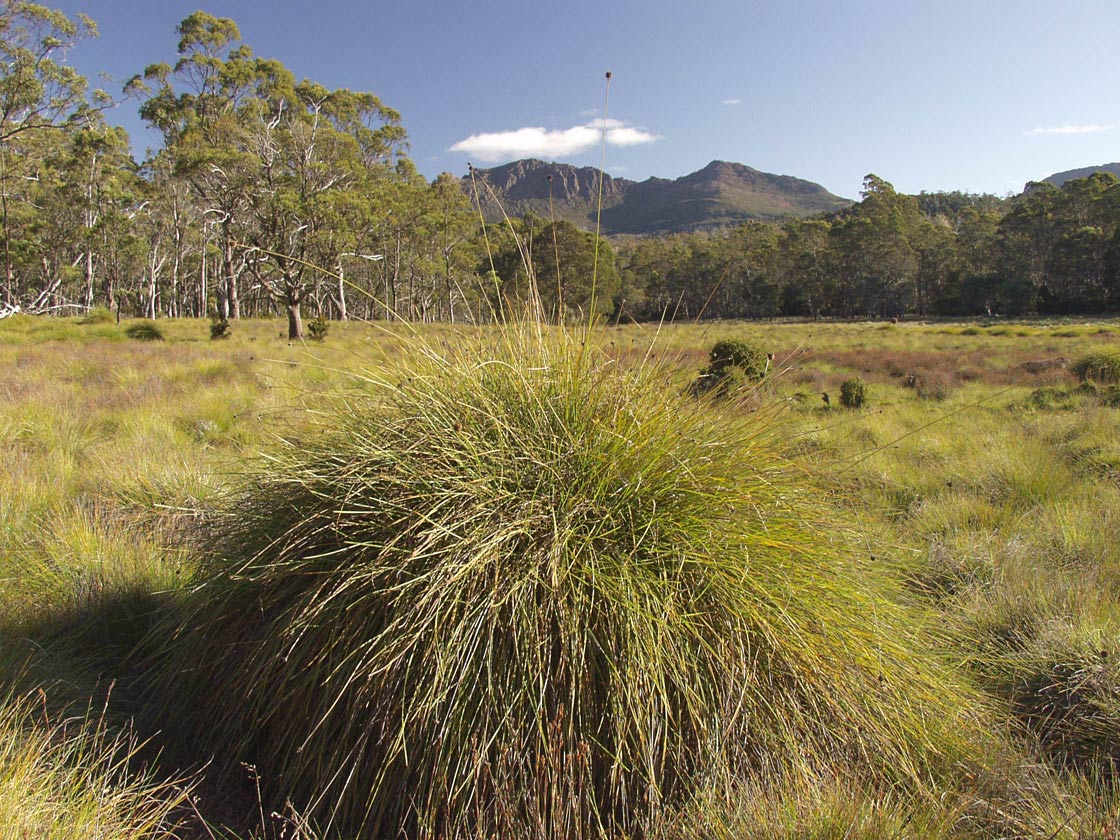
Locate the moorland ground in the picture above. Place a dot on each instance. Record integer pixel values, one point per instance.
(976, 491)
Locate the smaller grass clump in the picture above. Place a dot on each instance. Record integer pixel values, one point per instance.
(144, 330)
(932, 386)
(97, 315)
(1098, 368)
(853, 393)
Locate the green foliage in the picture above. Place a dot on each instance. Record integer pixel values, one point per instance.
(98, 315)
(733, 365)
(318, 328)
(732, 352)
(853, 393)
(1098, 368)
(465, 604)
(36, 90)
(219, 327)
(144, 330)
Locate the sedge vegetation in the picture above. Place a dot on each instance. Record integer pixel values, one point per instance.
(526, 591)
(71, 777)
(530, 584)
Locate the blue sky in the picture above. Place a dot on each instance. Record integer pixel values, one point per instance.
(980, 96)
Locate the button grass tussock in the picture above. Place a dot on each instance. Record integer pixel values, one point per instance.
(522, 591)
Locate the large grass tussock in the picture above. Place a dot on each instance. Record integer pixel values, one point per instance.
(527, 593)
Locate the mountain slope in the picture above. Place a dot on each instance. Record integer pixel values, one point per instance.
(1059, 178)
(720, 194)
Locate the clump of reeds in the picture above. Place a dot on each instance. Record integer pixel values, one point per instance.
(853, 393)
(97, 315)
(524, 592)
(1098, 368)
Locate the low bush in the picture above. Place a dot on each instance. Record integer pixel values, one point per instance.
(144, 331)
(317, 329)
(527, 593)
(1099, 368)
(736, 353)
(732, 364)
(219, 327)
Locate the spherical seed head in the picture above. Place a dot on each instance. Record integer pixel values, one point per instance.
(608, 75)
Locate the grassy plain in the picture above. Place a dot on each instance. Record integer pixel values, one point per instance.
(976, 495)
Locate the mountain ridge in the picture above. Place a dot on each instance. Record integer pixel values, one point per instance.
(720, 194)
(1059, 178)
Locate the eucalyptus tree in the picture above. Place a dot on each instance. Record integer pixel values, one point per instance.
(195, 105)
(804, 268)
(275, 163)
(38, 93)
(877, 262)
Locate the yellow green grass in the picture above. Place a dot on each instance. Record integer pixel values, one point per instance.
(931, 598)
(70, 778)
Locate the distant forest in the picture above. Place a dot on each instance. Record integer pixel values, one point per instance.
(270, 195)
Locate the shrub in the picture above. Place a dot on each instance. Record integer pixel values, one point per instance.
(1100, 368)
(144, 331)
(735, 353)
(853, 393)
(527, 593)
(317, 329)
(219, 327)
(732, 363)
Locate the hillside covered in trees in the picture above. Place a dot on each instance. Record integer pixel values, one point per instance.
(270, 194)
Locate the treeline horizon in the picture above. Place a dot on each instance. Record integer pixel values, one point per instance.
(270, 196)
(1049, 250)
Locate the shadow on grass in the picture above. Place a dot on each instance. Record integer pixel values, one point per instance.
(90, 659)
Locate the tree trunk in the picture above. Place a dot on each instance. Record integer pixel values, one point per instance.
(88, 269)
(9, 275)
(295, 322)
(342, 314)
(203, 304)
(234, 303)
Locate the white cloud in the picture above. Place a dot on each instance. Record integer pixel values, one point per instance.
(535, 141)
(1067, 129)
(732, 101)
